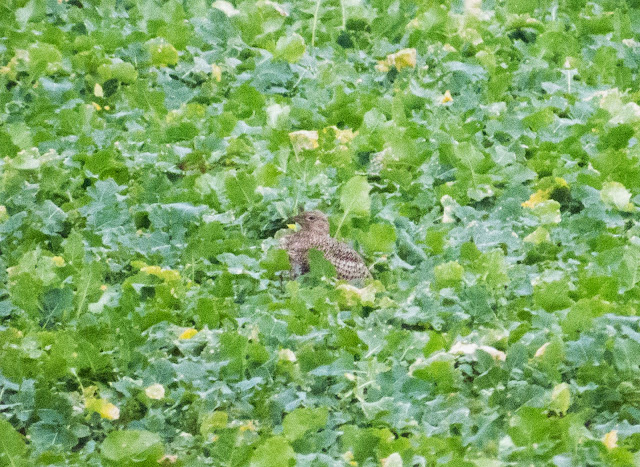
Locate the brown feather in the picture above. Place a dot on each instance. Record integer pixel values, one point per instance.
(314, 234)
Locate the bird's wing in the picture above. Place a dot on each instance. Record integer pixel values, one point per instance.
(349, 264)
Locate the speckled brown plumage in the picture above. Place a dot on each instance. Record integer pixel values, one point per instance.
(314, 234)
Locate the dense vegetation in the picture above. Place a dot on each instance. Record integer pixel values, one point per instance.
(483, 156)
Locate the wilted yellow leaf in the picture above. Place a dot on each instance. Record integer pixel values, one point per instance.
(155, 391)
(248, 426)
(287, 355)
(536, 198)
(216, 72)
(304, 140)
(188, 333)
(610, 440)
(401, 59)
(102, 406)
(164, 274)
(97, 90)
(541, 350)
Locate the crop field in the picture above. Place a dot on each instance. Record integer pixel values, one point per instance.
(482, 156)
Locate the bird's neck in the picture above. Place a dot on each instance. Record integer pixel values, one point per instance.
(317, 231)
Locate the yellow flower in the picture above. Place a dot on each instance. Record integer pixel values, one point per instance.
(155, 391)
(58, 261)
(610, 440)
(447, 97)
(103, 288)
(188, 333)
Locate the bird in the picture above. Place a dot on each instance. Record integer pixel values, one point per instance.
(314, 234)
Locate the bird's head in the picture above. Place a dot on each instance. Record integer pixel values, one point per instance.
(314, 221)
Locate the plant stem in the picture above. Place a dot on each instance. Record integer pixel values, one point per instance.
(315, 23)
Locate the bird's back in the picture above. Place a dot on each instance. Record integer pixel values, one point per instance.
(348, 263)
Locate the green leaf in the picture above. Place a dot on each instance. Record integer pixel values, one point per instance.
(529, 425)
(12, 446)
(302, 420)
(52, 218)
(44, 58)
(273, 452)
(241, 189)
(449, 274)
(354, 197)
(319, 266)
(117, 69)
(276, 260)
(132, 447)
(31, 11)
(290, 48)
(548, 212)
(213, 421)
(467, 156)
(552, 296)
(560, 399)
(162, 53)
(379, 238)
(439, 370)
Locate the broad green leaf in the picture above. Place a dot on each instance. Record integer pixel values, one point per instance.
(241, 189)
(162, 53)
(44, 58)
(552, 296)
(354, 197)
(213, 421)
(449, 274)
(12, 446)
(467, 156)
(273, 452)
(560, 399)
(303, 420)
(290, 48)
(379, 238)
(548, 212)
(122, 71)
(132, 447)
(319, 266)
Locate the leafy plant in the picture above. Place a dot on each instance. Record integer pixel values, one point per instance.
(482, 156)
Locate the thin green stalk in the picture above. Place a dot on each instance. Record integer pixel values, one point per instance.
(315, 23)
